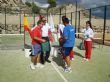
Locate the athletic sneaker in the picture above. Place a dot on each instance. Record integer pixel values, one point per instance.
(32, 66)
(65, 64)
(59, 52)
(72, 59)
(39, 65)
(86, 59)
(68, 70)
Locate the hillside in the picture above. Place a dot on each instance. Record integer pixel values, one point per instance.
(10, 4)
(4, 3)
(68, 9)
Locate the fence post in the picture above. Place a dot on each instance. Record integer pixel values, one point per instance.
(90, 15)
(79, 24)
(71, 18)
(60, 16)
(34, 19)
(20, 19)
(47, 14)
(5, 19)
(105, 10)
(76, 18)
(65, 11)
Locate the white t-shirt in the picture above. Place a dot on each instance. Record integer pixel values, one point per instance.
(61, 27)
(45, 30)
(88, 34)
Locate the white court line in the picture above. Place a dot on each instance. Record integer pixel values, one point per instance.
(65, 80)
(10, 34)
(82, 33)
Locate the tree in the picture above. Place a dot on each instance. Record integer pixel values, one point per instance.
(35, 9)
(28, 4)
(52, 3)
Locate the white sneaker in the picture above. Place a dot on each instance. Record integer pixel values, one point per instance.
(66, 64)
(68, 70)
(72, 59)
(86, 59)
(39, 65)
(32, 66)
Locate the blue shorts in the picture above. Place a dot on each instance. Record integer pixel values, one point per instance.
(36, 49)
(67, 50)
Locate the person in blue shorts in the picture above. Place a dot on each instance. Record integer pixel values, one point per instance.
(69, 37)
(36, 45)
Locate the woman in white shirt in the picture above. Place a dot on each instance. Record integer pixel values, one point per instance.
(88, 35)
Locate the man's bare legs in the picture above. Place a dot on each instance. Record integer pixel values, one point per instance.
(35, 61)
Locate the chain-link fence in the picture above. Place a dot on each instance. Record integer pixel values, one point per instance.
(99, 17)
(12, 21)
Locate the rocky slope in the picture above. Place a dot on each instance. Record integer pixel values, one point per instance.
(7, 3)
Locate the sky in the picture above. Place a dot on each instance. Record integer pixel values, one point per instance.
(84, 3)
(94, 3)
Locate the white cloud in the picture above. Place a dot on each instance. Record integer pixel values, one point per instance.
(38, 3)
(42, 5)
(94, 3)
(85, 3)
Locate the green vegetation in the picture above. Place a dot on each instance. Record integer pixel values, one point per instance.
(28, 4)
(35, 8)
(52, 3)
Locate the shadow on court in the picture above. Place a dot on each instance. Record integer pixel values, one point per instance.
(60, 61)
(78, 54)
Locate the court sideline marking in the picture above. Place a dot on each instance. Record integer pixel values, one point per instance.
(65, 80)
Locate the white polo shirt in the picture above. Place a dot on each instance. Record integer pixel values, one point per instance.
(61, 27)
(45, 30)
(88, 34)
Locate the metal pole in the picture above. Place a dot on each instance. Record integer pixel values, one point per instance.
(60, 16)
(24, 36)
(20, 20)
(105, 11)
(76, 17)
(47, 14)
(79, 25)
(65, 11)
(34, 19)
(24, 39)
(90, 15)
(5, 19)
(71, 18)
